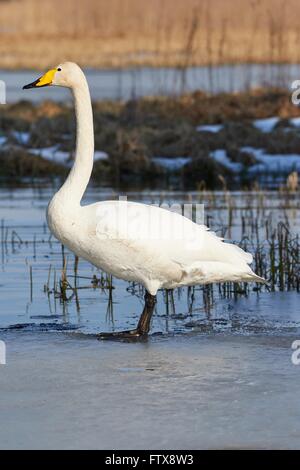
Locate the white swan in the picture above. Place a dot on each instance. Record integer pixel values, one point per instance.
(132, 241)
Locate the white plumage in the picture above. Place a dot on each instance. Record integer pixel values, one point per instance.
(135, 242)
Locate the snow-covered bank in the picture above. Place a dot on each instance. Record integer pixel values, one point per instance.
(266, 163)
(264, 151)
(273, 163)
(53, 154)
(268, 125)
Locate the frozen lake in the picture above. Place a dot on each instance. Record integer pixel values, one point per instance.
(192, 392)
(216, 373)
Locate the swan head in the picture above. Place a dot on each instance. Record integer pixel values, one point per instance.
(67, 74)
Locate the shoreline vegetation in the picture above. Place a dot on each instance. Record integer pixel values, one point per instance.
(168, 33)
(195, 141)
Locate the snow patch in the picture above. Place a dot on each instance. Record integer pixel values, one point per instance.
(295, 122)
(171, 163)
(221, 157)
(266, 163)
(266, 125)
(3, 140)
(21, 137)
(273, 163)
(99, 155)
(55, 155)
(214, 128)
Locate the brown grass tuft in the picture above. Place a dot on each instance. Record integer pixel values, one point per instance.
(119, 33)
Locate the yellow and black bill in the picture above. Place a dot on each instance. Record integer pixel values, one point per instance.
(45, 80)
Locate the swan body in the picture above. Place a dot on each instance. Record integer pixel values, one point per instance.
(135, 242)
(93, 234)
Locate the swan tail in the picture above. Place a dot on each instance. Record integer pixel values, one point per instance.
(255, 278)
(210, 272)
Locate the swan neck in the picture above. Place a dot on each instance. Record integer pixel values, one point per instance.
(79, 176)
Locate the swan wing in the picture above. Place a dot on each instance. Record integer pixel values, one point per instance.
(152, 227)
(173, 247)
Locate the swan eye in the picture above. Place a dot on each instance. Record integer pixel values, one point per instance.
(59, 69)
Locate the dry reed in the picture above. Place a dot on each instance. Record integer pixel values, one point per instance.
(120, 33)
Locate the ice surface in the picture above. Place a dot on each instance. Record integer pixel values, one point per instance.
(192, 392)
(221, 378)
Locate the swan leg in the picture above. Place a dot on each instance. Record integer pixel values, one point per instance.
(143, 327)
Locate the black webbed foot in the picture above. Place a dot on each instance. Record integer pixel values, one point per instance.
(128, 335)
(140, 333)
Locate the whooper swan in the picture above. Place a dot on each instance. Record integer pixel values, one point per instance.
(135, 242)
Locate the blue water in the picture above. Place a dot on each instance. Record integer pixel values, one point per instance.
(27, 244)
(130, 83)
